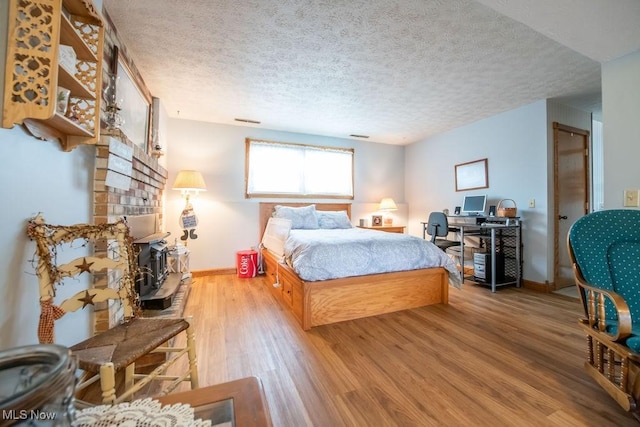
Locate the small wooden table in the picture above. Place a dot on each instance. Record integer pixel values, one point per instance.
(387, 228)
(246, 395)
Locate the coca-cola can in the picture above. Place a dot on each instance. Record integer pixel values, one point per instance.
(247, 264)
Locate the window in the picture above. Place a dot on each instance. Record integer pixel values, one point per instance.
(277, 169)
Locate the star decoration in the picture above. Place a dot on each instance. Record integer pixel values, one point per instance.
(85, 266)
(86, 299)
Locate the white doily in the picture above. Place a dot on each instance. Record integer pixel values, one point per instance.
(139, 413)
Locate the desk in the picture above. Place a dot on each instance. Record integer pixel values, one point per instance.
(246, 394)
(494, 230)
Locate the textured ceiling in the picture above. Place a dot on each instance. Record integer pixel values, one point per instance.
(396, 70)
(601, 30)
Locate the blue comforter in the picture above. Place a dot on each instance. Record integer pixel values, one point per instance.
(331, 254)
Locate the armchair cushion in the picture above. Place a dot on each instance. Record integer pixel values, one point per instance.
(624, 262)
(606, 247)
(633, 342)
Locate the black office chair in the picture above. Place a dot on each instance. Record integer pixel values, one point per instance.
(438, 226)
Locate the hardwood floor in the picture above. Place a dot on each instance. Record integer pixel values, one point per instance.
(510, 358)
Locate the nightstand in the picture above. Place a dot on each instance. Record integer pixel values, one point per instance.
(387, 228)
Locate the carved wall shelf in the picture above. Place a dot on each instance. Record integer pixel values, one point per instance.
(34, 70)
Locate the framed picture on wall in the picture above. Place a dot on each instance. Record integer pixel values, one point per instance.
(135, 107)
(472, 175)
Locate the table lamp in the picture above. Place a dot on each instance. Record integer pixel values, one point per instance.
(387, 205)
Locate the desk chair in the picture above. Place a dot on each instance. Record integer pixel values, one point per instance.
(438, 226)
(605, 252)
(119, 347)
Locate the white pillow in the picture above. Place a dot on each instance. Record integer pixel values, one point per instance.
(275, 234)
(301, 218)
(333, 219)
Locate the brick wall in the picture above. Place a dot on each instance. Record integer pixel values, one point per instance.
(144, 196)
(148, 177)
(148, 180)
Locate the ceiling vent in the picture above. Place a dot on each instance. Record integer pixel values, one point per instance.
(253, 122)
(359, 136)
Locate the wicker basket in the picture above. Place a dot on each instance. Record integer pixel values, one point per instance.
(508, 212)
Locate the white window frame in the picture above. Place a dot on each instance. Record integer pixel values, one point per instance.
(252, 176)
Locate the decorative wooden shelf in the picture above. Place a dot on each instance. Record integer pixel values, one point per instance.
(69, 36)
(68, 126)
(33, 74)
(69, 81)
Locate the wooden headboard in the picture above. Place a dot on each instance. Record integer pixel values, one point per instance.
(266, 210)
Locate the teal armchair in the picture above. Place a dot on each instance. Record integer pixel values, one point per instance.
(605, 251)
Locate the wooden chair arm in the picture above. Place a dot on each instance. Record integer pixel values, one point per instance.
(593, 302)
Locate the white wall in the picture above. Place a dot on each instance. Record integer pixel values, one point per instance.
(621, 122)
(515, 144)
(38, 177)
(597, 166)
(227, 221)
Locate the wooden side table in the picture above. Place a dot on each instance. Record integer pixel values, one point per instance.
(241, 402)
(387, 228)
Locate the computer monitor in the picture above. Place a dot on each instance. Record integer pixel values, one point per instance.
(474, 205)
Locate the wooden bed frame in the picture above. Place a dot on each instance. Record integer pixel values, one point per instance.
(329, 301)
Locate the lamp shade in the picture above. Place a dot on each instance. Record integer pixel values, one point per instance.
(189, 180)
(387, 204)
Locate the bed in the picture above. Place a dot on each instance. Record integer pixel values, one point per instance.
(323, 302)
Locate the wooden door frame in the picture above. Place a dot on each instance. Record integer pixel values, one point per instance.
(557, 128)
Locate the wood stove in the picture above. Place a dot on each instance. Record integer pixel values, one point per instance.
(154, 284)
(152, 260)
